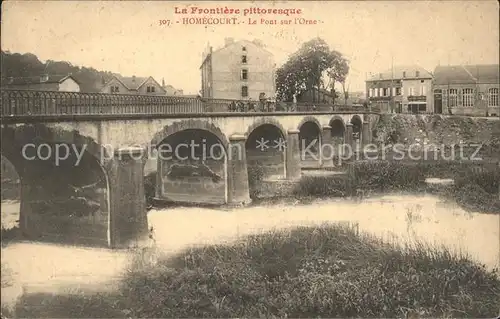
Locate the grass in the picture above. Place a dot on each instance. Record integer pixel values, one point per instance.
(327, 271)
(475, 188)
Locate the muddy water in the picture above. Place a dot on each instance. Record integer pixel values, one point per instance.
(43, 267)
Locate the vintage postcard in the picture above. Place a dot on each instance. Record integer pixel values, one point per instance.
(240, 159)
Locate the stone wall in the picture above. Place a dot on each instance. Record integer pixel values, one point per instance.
(438, 130)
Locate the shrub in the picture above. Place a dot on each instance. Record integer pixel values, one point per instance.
(255, 177)
(321, 186)
(386, 175)
(150, 187)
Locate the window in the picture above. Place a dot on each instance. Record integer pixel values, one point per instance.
(244, 91)
(410, 91)
(380, 92)
(115, 89)
(243, 59)
(385, 90)
(404, 74)
(244, 74)
(398, 91)
(393, 91)
(150, 89)
(493, 97)
(423, 90)
(468, 97)
(243, 48)
(370, 94)
(453, 97)
(422, 107)
(417, 74)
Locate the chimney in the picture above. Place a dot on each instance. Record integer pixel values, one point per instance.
(133, 78)
(44, 78)
(228, 41)
(163, 82)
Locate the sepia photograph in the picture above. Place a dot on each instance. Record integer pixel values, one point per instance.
(250, 159)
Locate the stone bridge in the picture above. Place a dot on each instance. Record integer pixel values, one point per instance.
(98, 161)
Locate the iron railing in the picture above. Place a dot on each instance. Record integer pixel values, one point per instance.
(36, 103)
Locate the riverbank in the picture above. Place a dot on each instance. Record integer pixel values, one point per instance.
(325, 271)
(474, 187)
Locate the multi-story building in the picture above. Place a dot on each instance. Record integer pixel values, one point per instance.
(45, 82)
(467, 89)
(239, 70)
(403, 89)
(133, 85)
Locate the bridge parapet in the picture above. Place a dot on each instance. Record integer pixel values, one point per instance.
(54, 103)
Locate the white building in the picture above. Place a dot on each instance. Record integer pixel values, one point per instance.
(239, 70)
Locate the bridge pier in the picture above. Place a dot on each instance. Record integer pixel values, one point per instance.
(25, 211)
(327, 151)
(238, 188)
(349, 139)
(293, 170)
(366, 135)
(128, 216)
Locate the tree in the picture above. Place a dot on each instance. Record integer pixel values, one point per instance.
(345, 90)
(338, 71)
(28, 65)
(306, 69)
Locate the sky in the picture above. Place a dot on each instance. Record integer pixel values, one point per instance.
(126, 36)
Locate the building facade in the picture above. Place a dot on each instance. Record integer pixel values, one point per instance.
(240, 70)
(403, 89)
(133, 85)
(62, 83)
(467, 89)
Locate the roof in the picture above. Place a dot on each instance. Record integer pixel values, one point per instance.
(36, 80)
(397, 73)
(462, 74)
(133, 83)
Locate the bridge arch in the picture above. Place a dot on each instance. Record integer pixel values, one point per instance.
(338, 127)
(310, 140)
(192, 163)
(65, 191)
(265, 149)
(266, 121)
(357, 125)
(189, 124)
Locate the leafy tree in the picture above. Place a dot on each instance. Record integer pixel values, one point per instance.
(338, 72)
(308, 69)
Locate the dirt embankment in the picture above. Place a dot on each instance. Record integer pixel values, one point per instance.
(438, 130)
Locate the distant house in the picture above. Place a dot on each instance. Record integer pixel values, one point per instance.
(467, 89)
(170, 90)
(402, 89)
(45, 82)
(312, 95)
(133, 85)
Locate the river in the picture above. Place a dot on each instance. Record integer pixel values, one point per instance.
(401, 218)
